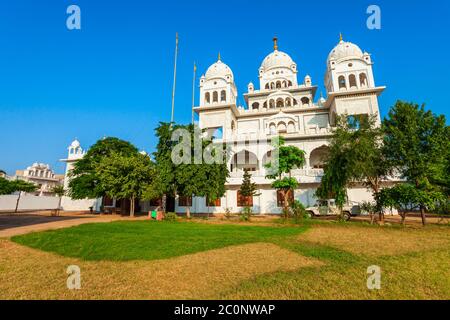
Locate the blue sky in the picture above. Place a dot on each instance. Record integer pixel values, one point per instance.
(114, 76)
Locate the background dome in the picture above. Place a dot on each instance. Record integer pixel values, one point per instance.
(75, 143)
(277, 59)
(218, 70)
(345, 49)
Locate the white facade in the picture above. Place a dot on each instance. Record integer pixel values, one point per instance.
(75, 152)
(42, 176)
(283, 106)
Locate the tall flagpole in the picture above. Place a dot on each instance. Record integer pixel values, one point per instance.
(174, 78)
(193, 93)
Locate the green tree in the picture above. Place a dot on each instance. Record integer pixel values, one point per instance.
(417, 144)
(248, 189)
(125, 176)
(189, 178)
(286, 158)
(5, 186)
(21, 186)
(338, 167)
(59, 191)
(406, 197)
(356, 155)
(85, 182)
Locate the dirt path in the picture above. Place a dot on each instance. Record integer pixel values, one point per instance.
(44, 222)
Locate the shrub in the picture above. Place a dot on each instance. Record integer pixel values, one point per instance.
(227, 214)
(298, 211)
(246, 214)
(170, 216)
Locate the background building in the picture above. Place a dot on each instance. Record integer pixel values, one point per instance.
(75, 152)
(42, 175)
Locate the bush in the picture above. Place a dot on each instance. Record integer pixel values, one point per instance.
(170, 216)
(227, 214)
(246, 214)
(298, 211)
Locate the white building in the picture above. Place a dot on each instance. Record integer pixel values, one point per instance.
(75, 152)
(282, 106)
(42, 176)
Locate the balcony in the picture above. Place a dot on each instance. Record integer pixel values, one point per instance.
(259, 176)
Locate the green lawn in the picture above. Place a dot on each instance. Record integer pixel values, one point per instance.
(149, 240)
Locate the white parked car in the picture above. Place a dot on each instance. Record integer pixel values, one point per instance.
(329, 208)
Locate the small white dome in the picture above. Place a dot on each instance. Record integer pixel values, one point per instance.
(345, 49)
(277, 59)
(219, 70)
(75, 143)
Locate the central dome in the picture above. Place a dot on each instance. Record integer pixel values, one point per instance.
(277, 59)
(219, 70)
(345, 49)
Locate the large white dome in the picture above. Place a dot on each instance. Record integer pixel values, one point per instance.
(344, 50)
(277, 59)
(219, 70)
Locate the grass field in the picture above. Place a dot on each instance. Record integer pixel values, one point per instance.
(194, 260)
(148, 240)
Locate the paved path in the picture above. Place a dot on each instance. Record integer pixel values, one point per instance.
(13, 225)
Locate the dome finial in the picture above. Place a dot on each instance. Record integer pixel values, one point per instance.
(340, 37)
(218, 57)
(275, 43)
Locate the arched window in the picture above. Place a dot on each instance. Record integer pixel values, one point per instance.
(288, 102)
(207, 97)
(215, 96)
(318, 157)
(272, 128)
(284, 84)
(282, 127)
(255, 106)
(363, 80)
(290, 83)
(233, 125)
(295, 102)
(223, 95)
(265, 104)
(280, 103)
(271, 103)
(305, 101)
(352, 81)
(267, 86)
(291, 127)
(272, 85)
(278, 84)
(342, 84)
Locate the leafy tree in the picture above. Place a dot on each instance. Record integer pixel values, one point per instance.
(60, 192)
(125, 176)
(356, 155)
(417, 144)
(21, 186)
(248, 189)
(85, 182)
(338, 167)
(370, 208)
(286, 159)
(5, 186)
(164, 182)
(407, 197)
(189, 178)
